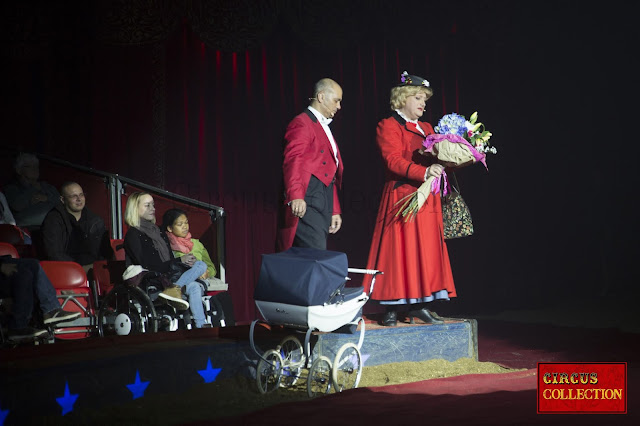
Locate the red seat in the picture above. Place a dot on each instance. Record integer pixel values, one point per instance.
(8, 249)
(74, 294)
(11, 234)
(118, 248)
(107, 273)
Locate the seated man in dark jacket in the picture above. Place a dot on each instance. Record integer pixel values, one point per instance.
(72, 232)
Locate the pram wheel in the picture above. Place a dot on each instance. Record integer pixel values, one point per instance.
(347, 367)
(269, 371)
(126, 310)
(319, 380)
(293, 358)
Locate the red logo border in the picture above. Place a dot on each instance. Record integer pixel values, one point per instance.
(626, 388)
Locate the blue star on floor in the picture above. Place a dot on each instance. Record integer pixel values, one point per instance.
(137, 388)
(67, 400)
(3, 416)
(209, 374)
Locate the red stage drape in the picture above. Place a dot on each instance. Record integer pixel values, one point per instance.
(209, 124)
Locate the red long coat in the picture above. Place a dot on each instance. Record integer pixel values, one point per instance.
(307, 152)
(413, 255)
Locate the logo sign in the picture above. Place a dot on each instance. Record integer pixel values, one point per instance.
(585, 388)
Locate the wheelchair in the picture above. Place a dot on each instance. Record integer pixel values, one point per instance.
(126, 310)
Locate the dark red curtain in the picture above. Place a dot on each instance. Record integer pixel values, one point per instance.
(208, 124)
(225, 116)
(194, 97)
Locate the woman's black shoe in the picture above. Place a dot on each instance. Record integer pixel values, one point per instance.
(390, 318)
(424, 315)
(435, 315)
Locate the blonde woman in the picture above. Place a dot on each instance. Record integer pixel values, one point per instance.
(412, 254)
(146, 245)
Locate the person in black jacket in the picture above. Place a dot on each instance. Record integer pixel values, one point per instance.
(146, 245)
(72, 232)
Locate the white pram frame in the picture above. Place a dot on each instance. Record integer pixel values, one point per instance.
(282, 366)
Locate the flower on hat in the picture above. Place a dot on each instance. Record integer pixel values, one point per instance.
(405, 78)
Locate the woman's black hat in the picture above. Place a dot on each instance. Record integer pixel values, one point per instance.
(412, 80)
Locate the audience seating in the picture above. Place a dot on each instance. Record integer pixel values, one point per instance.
(118, 248)
(107, 274)
(8, 249)
(73, 290)
(11, 234)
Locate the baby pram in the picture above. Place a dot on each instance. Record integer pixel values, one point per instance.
(305, 289)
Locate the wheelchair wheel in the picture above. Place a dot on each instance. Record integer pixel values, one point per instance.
(213, 311)
(126, 310)
(347, 368)
(293, 359)
(319, 380)
(168, 317)
(269, 371)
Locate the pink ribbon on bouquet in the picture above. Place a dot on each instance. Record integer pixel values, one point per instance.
(435, 185)
(435, 138)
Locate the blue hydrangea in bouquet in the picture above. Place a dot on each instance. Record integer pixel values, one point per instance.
(471, 130)
(458, 142)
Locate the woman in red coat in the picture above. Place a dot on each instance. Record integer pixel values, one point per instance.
(413, 254)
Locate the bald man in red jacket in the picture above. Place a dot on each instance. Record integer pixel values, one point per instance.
(312, 172)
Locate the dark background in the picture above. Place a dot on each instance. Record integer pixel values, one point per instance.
(194, 97)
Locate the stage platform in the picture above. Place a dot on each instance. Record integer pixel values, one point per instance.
(97, 372)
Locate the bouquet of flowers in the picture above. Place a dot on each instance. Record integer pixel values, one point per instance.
(458, 142)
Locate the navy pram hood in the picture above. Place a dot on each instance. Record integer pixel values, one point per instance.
(301, 276)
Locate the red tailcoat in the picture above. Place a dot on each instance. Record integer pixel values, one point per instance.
(307, 151)
(413, 255)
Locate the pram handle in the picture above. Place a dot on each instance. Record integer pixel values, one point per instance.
(365, 271)
(373, 272)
